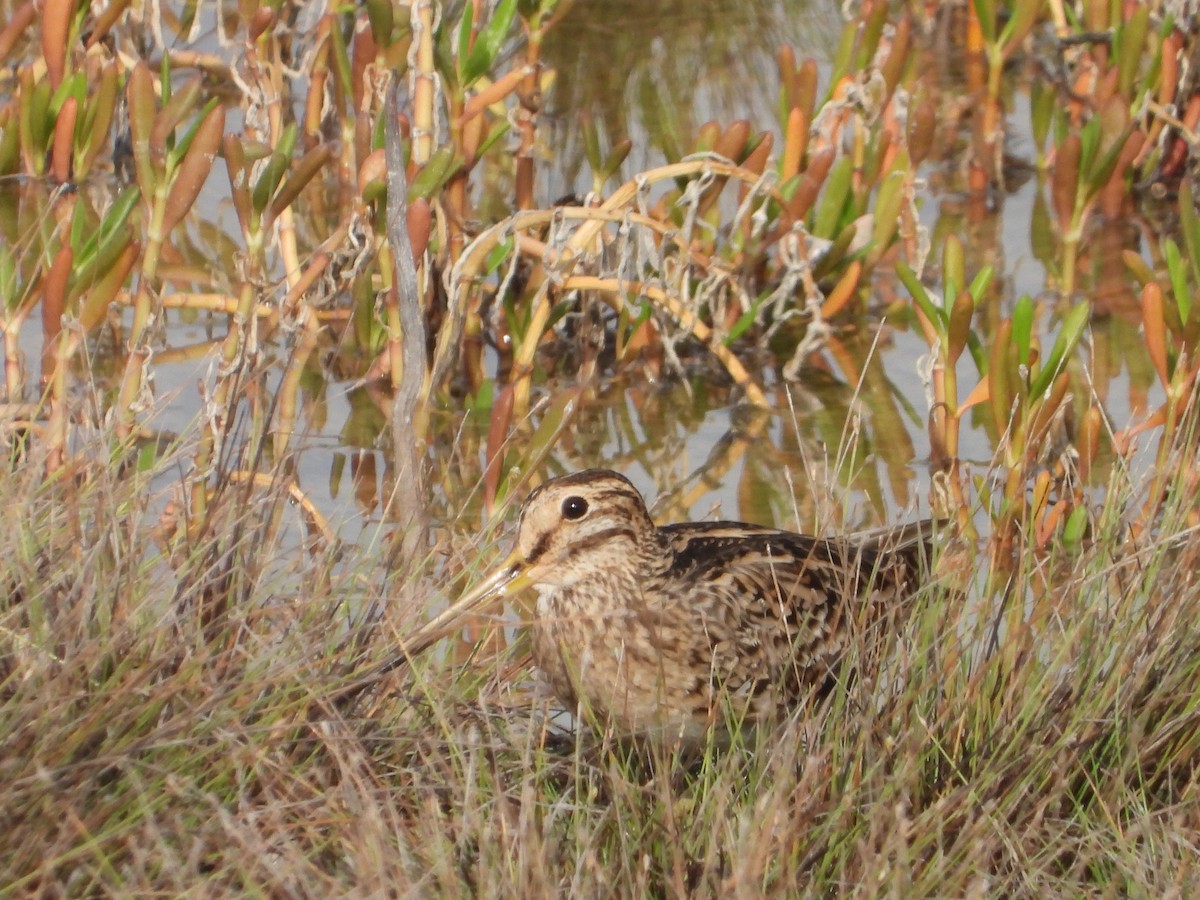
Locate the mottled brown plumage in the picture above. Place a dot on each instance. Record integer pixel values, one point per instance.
(671, 631)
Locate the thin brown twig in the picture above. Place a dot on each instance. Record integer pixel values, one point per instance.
(267, 480)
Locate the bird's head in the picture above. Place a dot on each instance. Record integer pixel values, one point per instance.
(579, 524)
(571, 527)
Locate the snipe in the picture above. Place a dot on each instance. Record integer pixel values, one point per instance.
(673, 630)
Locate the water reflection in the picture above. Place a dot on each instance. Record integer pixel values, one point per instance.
(654, 72)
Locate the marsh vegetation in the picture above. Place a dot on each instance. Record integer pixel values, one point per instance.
(298, 302)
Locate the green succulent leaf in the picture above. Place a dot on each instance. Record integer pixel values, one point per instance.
(934, 312)
(1022, 327)
(1072, 330)
(488, 43)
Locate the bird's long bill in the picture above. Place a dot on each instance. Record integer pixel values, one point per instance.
(511, 576)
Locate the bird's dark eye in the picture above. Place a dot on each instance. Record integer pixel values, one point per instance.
(574, 508)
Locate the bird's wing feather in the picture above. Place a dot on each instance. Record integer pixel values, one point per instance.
(777, 606)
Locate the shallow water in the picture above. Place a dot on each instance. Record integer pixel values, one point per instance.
(653, 73)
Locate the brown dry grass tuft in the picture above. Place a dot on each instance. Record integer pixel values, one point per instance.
(174, 722)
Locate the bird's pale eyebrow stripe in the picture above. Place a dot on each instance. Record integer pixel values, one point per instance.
(619, 490)
(618, 499)
(601, 537)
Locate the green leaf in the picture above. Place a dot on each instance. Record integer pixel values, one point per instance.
(833, 198)
(1089, 143)
(1022, 328)
(618, 155)
(869, 33)
(1075, 527)
(41, 123)
(164, 78)
(488, 43)
(464, 34)
(559, 414)
(557, 314)
(1131, 40)
(341, 60)
(958, 329)
(978, 353)
(1097, 173)
(1064, 345)
(954, 269)
(1189, 228)
(79, 221)
(497, 256)
(181, 146)
(591, 141)
(998, 373)
(845, 51)
(986, 11)
(304, 171)
(8, 276)
(837, 253)
(277, 166)
(73, 86)
(745, 320)
(173, 112)
(445, 59)
(287, 140)
(935, 313)
(481, 401)
(1177, 272)
(10, 146)
(105, 243)
(981, 282)
(1042, 104)
(497, 131)
(434, 174)
(888, 201)
(382, 18)
(147, 456)
(1021, 21)
(94, 131)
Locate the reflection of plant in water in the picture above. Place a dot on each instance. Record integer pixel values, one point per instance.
(649, 74)
(753, 254)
